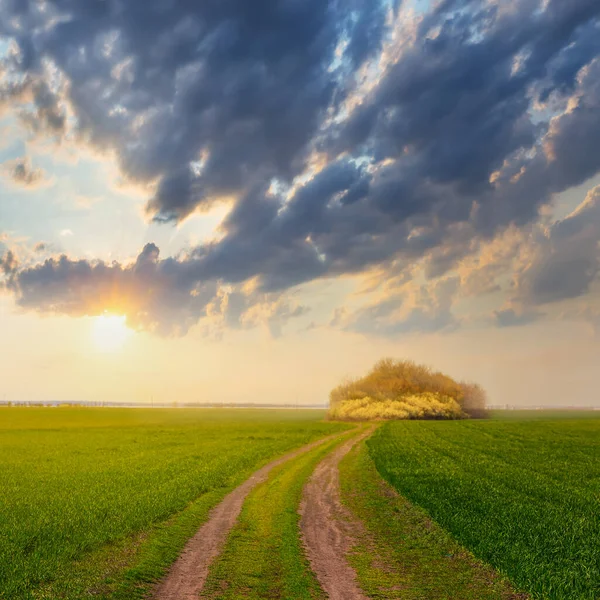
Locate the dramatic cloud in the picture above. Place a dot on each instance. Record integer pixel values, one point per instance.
(198, 98)
(347, 136)
(566, 257)
(158, 295)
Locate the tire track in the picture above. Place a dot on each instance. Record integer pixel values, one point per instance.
(187, 576)
(329, 529)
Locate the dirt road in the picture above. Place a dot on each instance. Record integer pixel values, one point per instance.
(328, 528)
(188, 574)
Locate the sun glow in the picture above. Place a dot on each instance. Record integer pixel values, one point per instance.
(110, 332)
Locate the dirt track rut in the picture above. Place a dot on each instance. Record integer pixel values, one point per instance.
(188, 574)
(329, 529)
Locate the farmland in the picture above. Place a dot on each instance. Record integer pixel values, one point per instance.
(522, 495)
(402, 549)
(100, 503)
(104, 499)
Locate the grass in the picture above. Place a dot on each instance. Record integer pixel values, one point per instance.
(523, 496)
(97, 502)
(263, 557)
(402, 550)
(544, 414)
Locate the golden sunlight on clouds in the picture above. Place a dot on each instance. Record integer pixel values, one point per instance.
(110, 332)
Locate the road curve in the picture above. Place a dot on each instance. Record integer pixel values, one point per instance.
(329, 529)
(187, 575)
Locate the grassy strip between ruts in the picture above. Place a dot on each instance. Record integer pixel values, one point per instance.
(402, 554)
(263, 557)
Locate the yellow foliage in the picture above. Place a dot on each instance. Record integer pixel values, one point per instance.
(405, 390)
(428, 405)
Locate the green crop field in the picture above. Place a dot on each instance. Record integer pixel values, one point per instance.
(544, 414)
(522, 495)
(97, 501)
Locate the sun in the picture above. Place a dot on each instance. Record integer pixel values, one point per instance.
(110, 332)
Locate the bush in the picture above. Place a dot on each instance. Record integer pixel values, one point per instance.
(405, 390)
(474, 400)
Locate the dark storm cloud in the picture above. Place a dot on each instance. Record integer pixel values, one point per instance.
(566, 259)
(558, 263)
(281, 238)
(445, 137)
(572, 143)
(455, 106)
(166, 83)
(241, 100)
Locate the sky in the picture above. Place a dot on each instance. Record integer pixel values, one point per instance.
(233, 201)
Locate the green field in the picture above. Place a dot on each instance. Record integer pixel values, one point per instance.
(549, 414)
(97, 501)
(402, 549)
(522, 494)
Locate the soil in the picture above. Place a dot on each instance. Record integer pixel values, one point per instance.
(328, 528)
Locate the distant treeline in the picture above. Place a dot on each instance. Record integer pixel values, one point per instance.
(405, 390)
(53, 404)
